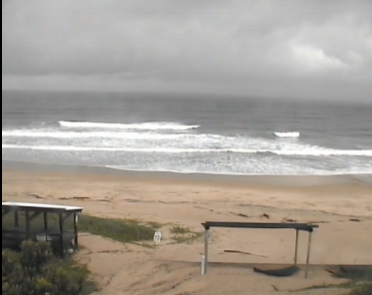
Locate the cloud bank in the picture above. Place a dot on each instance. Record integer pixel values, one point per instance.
(304, 48)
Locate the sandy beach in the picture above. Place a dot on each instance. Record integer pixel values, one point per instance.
(340, 205)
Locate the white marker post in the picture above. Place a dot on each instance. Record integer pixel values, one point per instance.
(157, 238)
(202, 264)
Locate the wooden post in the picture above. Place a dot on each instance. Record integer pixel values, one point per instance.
(16, 220)
(76, 231)
(61, 233)
(296, 247)
(206, 240)
(46, 222)
(308, 254)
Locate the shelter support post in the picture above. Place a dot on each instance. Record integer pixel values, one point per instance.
(45, 215)
(16, 220)
(308, 254)
(296, 247)
(206, 241)
(76, 231)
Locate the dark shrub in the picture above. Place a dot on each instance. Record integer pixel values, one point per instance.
(34, 271)
(365, 289)
(34, 256)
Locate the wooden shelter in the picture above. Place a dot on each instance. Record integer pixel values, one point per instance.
(40, 222)
(260, 225)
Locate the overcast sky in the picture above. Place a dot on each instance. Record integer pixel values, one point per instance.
(298, 48)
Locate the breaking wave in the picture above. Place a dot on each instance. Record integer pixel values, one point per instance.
(287, 134)
(133, 126)
(315, 152)
(88, 134)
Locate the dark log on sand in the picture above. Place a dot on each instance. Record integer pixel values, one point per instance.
(277, 272)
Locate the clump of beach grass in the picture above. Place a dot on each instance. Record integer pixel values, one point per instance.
(154, 225)
(359, 280)
(182, 234)
(121, 230)
(180, 230)
(362, 289)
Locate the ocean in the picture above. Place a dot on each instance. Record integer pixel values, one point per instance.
(187, 133)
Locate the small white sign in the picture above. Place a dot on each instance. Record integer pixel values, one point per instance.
(157, 238)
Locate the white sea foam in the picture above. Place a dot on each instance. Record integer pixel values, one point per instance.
(89, 134)
(305, 172)
(315, 152)
(160, 141)
(319, 152)
(125, 149)
(133, 126)
(287, 134)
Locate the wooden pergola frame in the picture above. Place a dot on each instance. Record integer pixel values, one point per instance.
(32, 210)
(260, 225)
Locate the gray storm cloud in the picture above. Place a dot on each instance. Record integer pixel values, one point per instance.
(242, 44)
